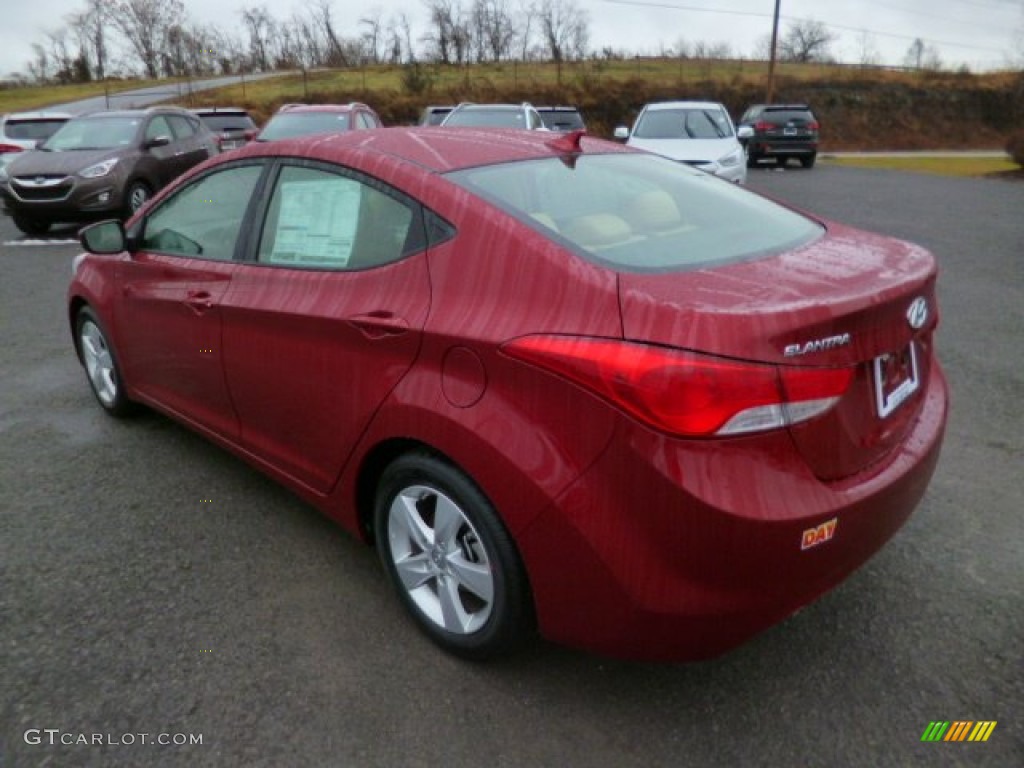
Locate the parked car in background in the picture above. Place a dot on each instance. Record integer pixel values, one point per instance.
(556, 381)
(698, 133)
(21, 131)
(523, 116)
(435, 114)
(293, 120)
(779, 132)
(101, 165)
(562, 118)
(233, 126)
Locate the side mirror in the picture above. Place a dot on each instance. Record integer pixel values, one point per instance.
(621, 133)
(157, 141)
(745, 132)
(103, 237)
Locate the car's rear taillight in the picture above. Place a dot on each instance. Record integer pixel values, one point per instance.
(9, 148)
(686, 393)
(763, 126)
(812, 126)
(250, 134)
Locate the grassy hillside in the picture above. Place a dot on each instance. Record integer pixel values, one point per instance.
(858, 108)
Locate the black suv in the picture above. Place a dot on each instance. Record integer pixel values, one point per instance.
(232, 126)
(779, 131)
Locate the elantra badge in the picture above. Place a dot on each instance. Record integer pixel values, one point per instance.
(917, 313)
(817, 345)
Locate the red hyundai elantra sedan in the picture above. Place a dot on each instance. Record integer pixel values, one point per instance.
(556, 381)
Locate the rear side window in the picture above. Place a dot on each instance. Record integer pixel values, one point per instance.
(183, 127)
(323, 220)
(32, 130)
(640, 212)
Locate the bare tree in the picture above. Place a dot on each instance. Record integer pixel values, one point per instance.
(373, 35)
(565, 28)
(60, 55)
(443, 15)
(260, 26)
(39, 66)
(867, 50)
(335, 54)
(145, 25)
(493, 29)
(525, 29)
(914, 57)
(806, 40)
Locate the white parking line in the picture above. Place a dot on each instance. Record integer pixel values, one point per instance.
(40, 242)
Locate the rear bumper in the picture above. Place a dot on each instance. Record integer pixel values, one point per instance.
(782, 148)
(675, 550)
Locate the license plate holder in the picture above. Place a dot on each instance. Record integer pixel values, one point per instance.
(897, 377)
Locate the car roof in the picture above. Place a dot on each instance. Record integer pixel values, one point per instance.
(136, 112)
(437, 149)
(220, 111)
(40, 115)
(290, 108)
(467, 107)
(660, 105)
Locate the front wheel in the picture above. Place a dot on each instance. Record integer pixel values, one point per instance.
(100, 364)
(450, 558)
(807, 161)
(136, 196)
(31, 226)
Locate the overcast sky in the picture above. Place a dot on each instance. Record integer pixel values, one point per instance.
(984, 34)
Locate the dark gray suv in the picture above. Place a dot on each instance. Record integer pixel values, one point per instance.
(779, 132)
(101, 165)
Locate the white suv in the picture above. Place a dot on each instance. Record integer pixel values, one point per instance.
(522, 116)
(699, 133)
(20, 131)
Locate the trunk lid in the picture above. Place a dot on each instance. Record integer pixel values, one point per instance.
(850, 299)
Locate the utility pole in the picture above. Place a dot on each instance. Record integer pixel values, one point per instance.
(771, 61)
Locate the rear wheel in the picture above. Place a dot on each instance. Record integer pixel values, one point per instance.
(31, 226)
(808, 161)
(780, 161)
(450, 558)
(100, 363)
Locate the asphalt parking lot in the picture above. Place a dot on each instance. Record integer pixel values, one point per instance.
(152, 584)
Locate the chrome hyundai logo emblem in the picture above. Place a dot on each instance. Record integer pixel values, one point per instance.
(917, 313)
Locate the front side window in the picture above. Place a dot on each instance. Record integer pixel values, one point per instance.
(638, 212)
(158, 127)
(204, 218)
(323, 220)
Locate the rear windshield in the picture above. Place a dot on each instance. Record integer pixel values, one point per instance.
(228, 122)
(101, 132)
(785, 115)
(561, 119)
(487, 118)
(639, 212)
(687, 123)
(33, 129)
(288, 125)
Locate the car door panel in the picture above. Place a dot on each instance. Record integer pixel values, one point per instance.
(326, 322)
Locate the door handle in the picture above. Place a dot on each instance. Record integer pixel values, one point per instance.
(200, 301)
(379, 324)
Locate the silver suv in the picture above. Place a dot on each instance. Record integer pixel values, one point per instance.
(523, 116)
(21, 131)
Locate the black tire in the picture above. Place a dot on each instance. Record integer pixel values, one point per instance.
(102, 369)
(467, 591)
(780, 161)
(808, 160)
(135, 196)
(752, 159)
(31, 226)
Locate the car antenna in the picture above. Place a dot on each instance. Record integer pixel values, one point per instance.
(569, 145)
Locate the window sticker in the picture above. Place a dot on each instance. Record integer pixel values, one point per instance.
(317, 223)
